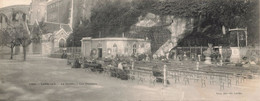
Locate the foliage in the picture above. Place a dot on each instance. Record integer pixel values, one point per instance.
(115, 18)
(211, 15)
(79, 32)
(179, 8)
(112, 18)
(24, 38)
(16, 33)
(109, 18)
(7, 39)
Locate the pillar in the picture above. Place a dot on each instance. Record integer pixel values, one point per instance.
(164, 76)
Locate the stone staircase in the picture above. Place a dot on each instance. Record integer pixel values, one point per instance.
(179, 28)
(164, 31)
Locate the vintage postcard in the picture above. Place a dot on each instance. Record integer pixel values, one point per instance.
(129, 50)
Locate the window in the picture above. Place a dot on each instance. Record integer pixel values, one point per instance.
(115, 48)
(134, 49)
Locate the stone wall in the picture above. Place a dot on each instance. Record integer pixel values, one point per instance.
(38, 11)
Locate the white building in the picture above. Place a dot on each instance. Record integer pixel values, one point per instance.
(110, 47)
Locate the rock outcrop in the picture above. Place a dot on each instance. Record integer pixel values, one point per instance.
(177, 28)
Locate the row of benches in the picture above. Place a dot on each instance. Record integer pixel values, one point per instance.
(220, 78)
(184, 75)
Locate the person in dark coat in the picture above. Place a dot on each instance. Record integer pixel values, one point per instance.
(76, 64)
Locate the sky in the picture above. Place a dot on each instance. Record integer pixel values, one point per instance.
(5, 3)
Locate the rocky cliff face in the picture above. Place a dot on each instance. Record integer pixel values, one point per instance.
(178, 28)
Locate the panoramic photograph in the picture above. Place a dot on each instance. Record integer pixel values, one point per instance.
(129, 50)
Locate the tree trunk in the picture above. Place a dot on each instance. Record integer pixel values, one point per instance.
(24, 53)
(12, 51)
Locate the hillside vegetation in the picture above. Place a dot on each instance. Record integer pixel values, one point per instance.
(112, 18)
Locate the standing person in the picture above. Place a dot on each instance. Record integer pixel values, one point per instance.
(76, 63)
(120, 66)
(133, 65)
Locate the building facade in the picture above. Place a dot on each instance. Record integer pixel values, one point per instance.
(37, 11)
(69, 11)
(54, 38)
(110, 47)
(58, 11)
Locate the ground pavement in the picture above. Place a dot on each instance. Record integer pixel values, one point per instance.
(48, 79)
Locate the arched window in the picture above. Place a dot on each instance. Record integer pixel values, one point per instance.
(134, 49)
(62, 43)
(114, 48)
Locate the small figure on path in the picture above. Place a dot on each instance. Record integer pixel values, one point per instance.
(76, 64)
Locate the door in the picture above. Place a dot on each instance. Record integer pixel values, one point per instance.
(99, 52)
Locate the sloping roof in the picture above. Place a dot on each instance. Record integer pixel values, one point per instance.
(67, 28)
(49, 27)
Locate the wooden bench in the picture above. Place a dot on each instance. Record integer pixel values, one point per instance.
(106, 71)
(141, 76)
(174, 75)
(132, 75)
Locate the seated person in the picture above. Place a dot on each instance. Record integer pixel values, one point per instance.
(156, 72)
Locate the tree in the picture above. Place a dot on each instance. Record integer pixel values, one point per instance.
(109, 18)
(15, 36)
(211, 15)
(19, 29)
(80, 31)
(112, 18)
(24, 40)
(8, 35)
(8, 39)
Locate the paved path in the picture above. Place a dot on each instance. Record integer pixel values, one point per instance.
(48, 79)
